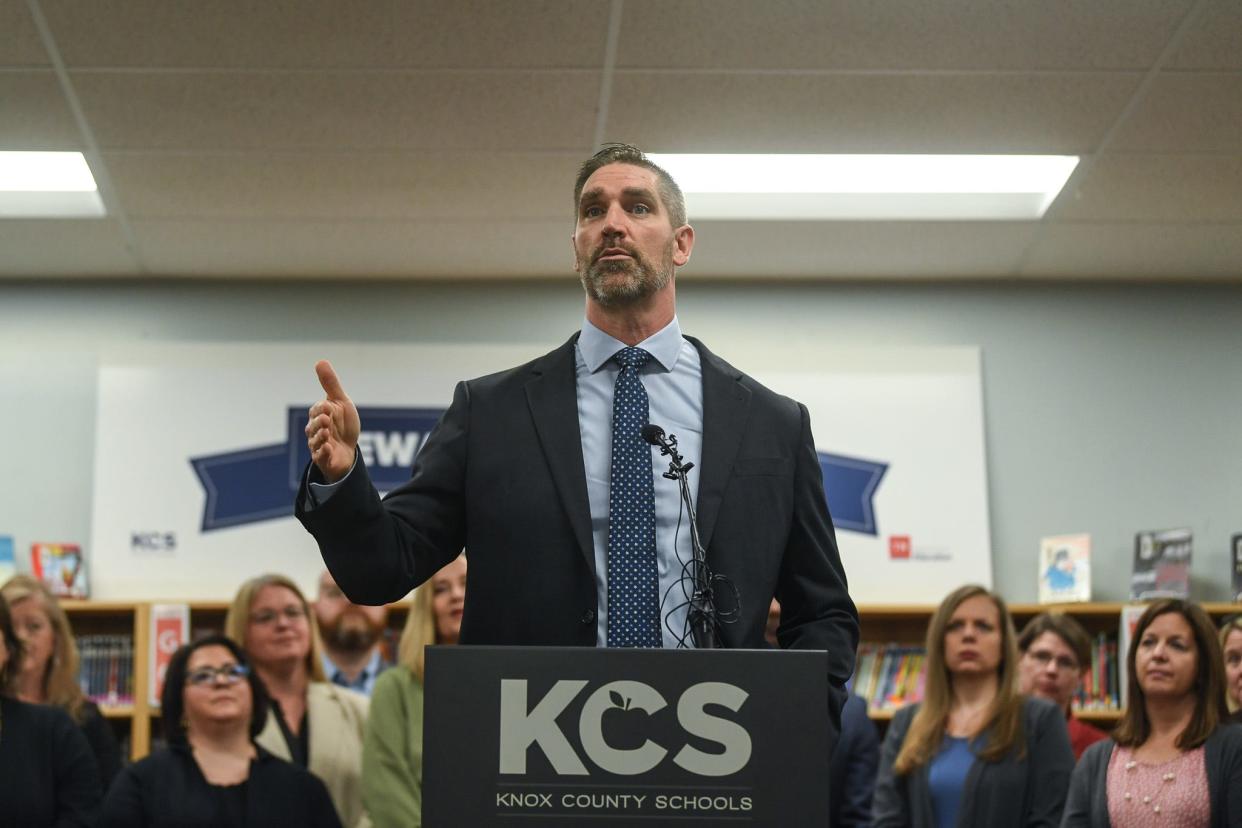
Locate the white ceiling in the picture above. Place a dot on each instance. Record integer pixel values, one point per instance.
(412, 138)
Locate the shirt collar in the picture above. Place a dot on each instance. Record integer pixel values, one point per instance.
(335, 675)
(598, 347)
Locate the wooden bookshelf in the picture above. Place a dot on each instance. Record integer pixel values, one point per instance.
(906, 624)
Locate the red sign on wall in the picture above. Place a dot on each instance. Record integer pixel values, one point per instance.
(899, 546)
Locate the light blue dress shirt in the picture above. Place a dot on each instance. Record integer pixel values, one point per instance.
(673, 379)
(365, 682)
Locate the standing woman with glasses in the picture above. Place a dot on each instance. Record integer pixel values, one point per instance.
(974, 753)
(1055, 651)
(1171, 759)
(49, 672)
(1231, 644)
(312, 723)
(47, 775)
(212, 773)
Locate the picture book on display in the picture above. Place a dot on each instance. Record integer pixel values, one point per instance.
(61, 567)
(1161, 565)
(1236, 557)
(1130, 616)
(1064, 569)
(8, 564)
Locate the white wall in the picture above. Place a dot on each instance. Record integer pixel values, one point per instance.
(1109, 409)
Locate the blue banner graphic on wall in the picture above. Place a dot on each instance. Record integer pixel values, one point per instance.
(260, 483)
(850, 484)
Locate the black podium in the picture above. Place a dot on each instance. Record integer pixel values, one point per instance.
(588, 736)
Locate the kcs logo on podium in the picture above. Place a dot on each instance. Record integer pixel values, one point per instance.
(612, 728)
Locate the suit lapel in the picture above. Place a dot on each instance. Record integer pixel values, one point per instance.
(726, 403)
(552, 395)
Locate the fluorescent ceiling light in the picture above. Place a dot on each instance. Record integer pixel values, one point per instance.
(868, 187)
(47, 185)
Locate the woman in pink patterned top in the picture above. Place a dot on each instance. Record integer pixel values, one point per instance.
(1173, 759)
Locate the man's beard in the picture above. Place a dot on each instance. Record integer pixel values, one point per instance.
(640, 281)
(352, 632)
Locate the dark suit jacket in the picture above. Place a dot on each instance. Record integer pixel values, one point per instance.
(502, 476)
(852, 769)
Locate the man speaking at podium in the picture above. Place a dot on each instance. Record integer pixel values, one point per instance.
(542, 473)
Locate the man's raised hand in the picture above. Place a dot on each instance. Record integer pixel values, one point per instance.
(332, 426)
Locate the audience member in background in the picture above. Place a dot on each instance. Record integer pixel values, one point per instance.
(392, 757)
(351, 636)
(212, 773)
(312, 723)
(47, 775)
(1171, 759)
(49, 672)
(852, 767)
(974, 753)
(1231, 645)
(1055, 651)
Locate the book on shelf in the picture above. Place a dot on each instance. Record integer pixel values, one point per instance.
(61, 567)
(1161, 564)
(1236, 556)
(889, 676)
(170, 628)
(1064, 569)
(1100, 690)
(106, 672)
(1130, 615)
(8, 560)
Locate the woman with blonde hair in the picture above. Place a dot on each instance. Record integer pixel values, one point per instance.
(312, 722)
(1172, 759)
(392, 757)
(49, 671)
(1231, 646)
(974, 753)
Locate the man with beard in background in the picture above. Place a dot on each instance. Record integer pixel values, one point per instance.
(351, 633)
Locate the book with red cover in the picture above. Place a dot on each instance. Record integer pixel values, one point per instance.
(61, 567)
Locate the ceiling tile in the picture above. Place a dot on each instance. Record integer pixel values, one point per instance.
(34, 115)
(64, 247)
(19, 39)
(356, 249)
(1138, 251)
(1044, 113)
(1214, 40)
(357, 185)
(857, 249)
(330, 33)
(896, 34)
(1144, 187)
(1191, 112)
(364, 110)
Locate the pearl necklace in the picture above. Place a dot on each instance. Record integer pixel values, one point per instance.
(1165, 779)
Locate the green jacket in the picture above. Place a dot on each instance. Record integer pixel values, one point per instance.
(392, 752)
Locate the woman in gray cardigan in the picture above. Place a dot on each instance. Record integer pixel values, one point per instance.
(973, 753)
(1173, 758)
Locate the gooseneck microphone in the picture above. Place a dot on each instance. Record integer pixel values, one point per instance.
(702, 611)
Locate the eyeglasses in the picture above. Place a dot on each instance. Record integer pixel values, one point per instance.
(1043, 657)
(291, 613)
(231, 673)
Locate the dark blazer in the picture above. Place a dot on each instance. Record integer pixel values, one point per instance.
(851, 771)
(48, 776)
(1087, 806)
(1026, 792)
(167, 790)
(502, 475)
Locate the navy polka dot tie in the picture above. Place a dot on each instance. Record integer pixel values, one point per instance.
(633, 585)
